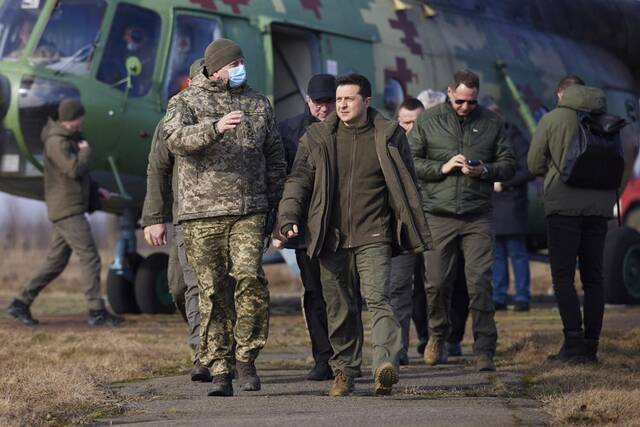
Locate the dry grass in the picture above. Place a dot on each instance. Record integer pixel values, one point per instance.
(607, 393)
(59, 376)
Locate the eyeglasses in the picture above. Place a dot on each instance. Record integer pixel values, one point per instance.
(468, 101)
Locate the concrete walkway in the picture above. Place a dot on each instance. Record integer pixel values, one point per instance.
(450, 395)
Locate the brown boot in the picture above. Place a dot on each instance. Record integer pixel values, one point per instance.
(434, 353)
(247, 376)
(342, 385)
(484, 363)
(386, 376)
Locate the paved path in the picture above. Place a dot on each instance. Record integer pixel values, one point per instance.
(451, 395)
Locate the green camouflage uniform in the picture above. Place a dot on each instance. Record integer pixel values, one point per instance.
(227, 183)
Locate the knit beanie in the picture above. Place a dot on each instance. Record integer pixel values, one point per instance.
(220, 53)
(70, 109)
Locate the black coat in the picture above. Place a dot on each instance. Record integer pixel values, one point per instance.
(510, 206)
(291, 131)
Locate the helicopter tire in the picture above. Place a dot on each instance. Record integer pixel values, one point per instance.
(152, 287)
(121, 294)
(621, 266)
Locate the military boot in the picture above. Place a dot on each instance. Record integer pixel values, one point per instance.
(200, 373)
(103, 317)
(320, 372)
(247, 376)
(21, 312)
(342, 385)
(591, 347)
(454, 349)
(573, 349)
(221, 386)
(435, 353)
(484, 363)
(385, 377)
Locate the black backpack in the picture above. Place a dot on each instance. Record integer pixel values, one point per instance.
(594, 158)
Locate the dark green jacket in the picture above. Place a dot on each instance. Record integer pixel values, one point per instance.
(67, 183)
(551, 141)
(159, 204)
(309, 190)
(438, 136)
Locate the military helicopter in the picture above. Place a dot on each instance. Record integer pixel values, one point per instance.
(124, 59)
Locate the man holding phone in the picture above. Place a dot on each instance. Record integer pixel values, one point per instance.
(459, 151)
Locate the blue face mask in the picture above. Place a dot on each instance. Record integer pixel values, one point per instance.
(237, 75)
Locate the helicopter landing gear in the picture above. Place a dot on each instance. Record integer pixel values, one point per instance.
(136, 284)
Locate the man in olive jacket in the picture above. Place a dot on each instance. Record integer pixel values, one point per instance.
(159, 208)
(352, 181)
(459, 151)
(68, 194)
(231, 171)
(576, 221)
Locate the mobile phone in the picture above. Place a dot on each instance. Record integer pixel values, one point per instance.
(474, 162)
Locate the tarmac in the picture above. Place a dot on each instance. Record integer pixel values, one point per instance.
(446, 395)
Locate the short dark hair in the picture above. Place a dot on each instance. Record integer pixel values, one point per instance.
(567, 81)
(411, 104)
(358, 80)
(465, 77)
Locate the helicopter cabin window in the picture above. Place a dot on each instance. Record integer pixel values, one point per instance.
(70, 37)
(191, 36)
(134, 36)
(17, 20)
(393, 95)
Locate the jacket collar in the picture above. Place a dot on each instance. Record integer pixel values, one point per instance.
(382, 125)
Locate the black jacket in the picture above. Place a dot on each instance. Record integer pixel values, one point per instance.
(511, 205)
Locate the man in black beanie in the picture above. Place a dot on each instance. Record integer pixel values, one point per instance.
(67, 193)
(230, 175)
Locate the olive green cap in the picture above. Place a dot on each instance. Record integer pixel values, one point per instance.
(220, 53)
(70, 109)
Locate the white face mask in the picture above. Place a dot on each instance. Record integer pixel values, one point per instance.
(132, 46)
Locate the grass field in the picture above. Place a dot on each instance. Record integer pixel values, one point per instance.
(59, 372)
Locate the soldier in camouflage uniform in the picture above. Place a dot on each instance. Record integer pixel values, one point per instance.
(183, 282)
(231, 171)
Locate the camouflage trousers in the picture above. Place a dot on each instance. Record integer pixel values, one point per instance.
(220, 249)
(72, 234)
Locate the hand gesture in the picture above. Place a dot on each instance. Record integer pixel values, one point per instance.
(456, 162)
(473, 171)
(497, 187)
(229, 121)
(156, 235)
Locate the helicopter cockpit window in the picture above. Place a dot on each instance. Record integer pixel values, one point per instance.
(191, 36)
(135, 32)
(70, 37)
(17, 20)
(393, 95)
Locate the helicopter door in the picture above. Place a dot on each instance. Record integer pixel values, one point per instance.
(296, 57)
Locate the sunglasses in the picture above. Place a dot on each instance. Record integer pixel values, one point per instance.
(468, 101)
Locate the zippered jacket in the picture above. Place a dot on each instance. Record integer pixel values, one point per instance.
(310, 189)
(437, 136)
